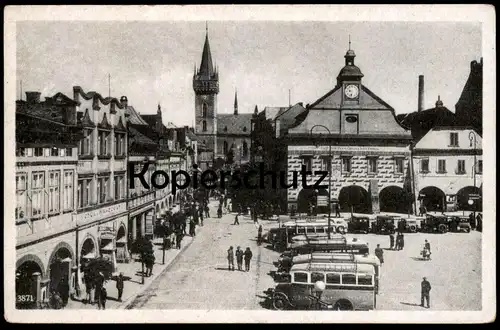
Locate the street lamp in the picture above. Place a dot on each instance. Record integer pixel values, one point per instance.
(472, 136)
(329, 180)
(319, 287)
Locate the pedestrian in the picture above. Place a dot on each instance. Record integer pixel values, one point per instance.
(230, 258)
(472, 221)
(259, 235)
(239, 258)
(248, 256)
(397, 241)
(183, 224)
(178, 239)
(88, 288)
(337, 210)
(425, 293)
(201, 215)
(236, 222)
(55, 300)
(402, 243)
(207, 211)
(192, 230)
(119, 286)
(427, 245)
(104, 297)
(391, 238)
(479, 222)
(219, 212)
(380, 254)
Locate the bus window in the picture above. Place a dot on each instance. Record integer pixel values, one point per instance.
(365, 279)
(317, 277)
(300, 277)
(348, 279)
(310, 230)
(301, 230)
(333, 278)
(320, 230)
(331, 230)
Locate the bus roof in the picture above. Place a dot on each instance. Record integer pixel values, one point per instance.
(328, 257)
(334, 267)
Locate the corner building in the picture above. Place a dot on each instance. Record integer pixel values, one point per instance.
(370, 154)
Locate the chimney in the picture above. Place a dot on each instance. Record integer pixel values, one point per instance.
(33, 97)
(420, 93)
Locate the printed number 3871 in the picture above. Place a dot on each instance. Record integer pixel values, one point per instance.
(25, 298)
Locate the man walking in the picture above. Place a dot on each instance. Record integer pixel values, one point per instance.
(425, 294)
(230, 258)
(259, 235)
(236, 222)
(391, 238)
(248, 256)
(192, 230)
(380, 254)
(402, 242)
(337, 210)
(207, 211)
(201, 215)
(119, 286)
(239, 258)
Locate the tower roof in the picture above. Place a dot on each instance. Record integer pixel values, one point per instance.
(236, 99)
(206, 66)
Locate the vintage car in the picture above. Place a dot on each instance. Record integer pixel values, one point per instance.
(412, 224)
(436, 224)
(359, 225)
(385, 224)
(459, 224)
(348, 286)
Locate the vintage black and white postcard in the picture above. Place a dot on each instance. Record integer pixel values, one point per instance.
(256, 164)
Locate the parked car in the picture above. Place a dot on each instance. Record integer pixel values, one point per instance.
(385, 225)
(459, 224)
(359, 225)
(436, 224)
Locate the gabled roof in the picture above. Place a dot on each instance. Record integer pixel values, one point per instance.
(85, 120)
(134, 118)
(104, 123)
(234, 124)
(272, 112)
(288, 117)
(149, 120)
(420, 122)
(50, 109)
(206, 66)
(333, 100)
(137, 138)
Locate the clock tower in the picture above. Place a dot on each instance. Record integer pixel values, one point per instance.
(349, 79)
(206, 88)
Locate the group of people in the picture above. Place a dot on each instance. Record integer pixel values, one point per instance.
(96, 290)
(399, 243)
(240, 256)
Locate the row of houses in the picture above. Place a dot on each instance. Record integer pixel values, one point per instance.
(378, 161)
(74, 201)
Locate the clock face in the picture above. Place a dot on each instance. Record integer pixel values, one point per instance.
(351, 91)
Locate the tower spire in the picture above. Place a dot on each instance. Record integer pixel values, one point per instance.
(206, 66)
(236, 102)
(349, 42)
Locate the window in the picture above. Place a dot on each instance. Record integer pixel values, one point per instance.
(84, 192)
(365, 279)
(346, 164)
(119, 183)
(20, 152)
(372, 165)
(441, 166)
(102, 189)
(310, 230)
(103, 143)
(307, 162)
(326, 164)
(225, 147)
(321, 230)
(479, 167)
(69, 152)
(301, 230)
(46, 152)
(68, 190)
(54, 152)
(62, 152)
(37, 196)
(348, 279)
(399, 165)
(119, 144)
(300, 277)
(85, 144)
(461, 166)
(204, 126)
(453, 139)
(315, 277)
(54, 183)
(204, 110)
(245, 149)
(38, 152)
(332, 278)
(21, 197)
(424, 166)
(29, 152)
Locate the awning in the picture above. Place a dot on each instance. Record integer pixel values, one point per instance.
(122, 240)
(90, 255)
(109, 247)
(68, 259)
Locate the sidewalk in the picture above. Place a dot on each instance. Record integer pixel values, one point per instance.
(132, 271)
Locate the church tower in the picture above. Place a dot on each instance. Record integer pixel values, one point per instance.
(206, 88)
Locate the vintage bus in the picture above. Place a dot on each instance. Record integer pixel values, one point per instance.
(335, 244)
(348, 287)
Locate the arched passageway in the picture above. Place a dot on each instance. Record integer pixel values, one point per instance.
(470, 199)
(433, 199)
(355, 199)
(60, 273)
(306, 200)
(26, 284)
(394, 199)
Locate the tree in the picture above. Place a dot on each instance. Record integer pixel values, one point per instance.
(94, 267)
(144, 248)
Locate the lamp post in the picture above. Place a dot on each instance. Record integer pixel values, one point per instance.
(329, 180)
(472, 136)
(319, 287)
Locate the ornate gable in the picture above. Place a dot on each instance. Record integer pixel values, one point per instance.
(104, 124)
(120, 127)
(86, 121)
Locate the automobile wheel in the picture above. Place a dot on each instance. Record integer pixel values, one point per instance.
(280, 303)
(343, 305)
(413, 229)
(467, 230)
(442, 228)
(340, 230)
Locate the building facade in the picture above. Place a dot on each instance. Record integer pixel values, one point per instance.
(47, 137)
(354, 135)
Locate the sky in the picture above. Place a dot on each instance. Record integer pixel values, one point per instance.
(153, 62)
